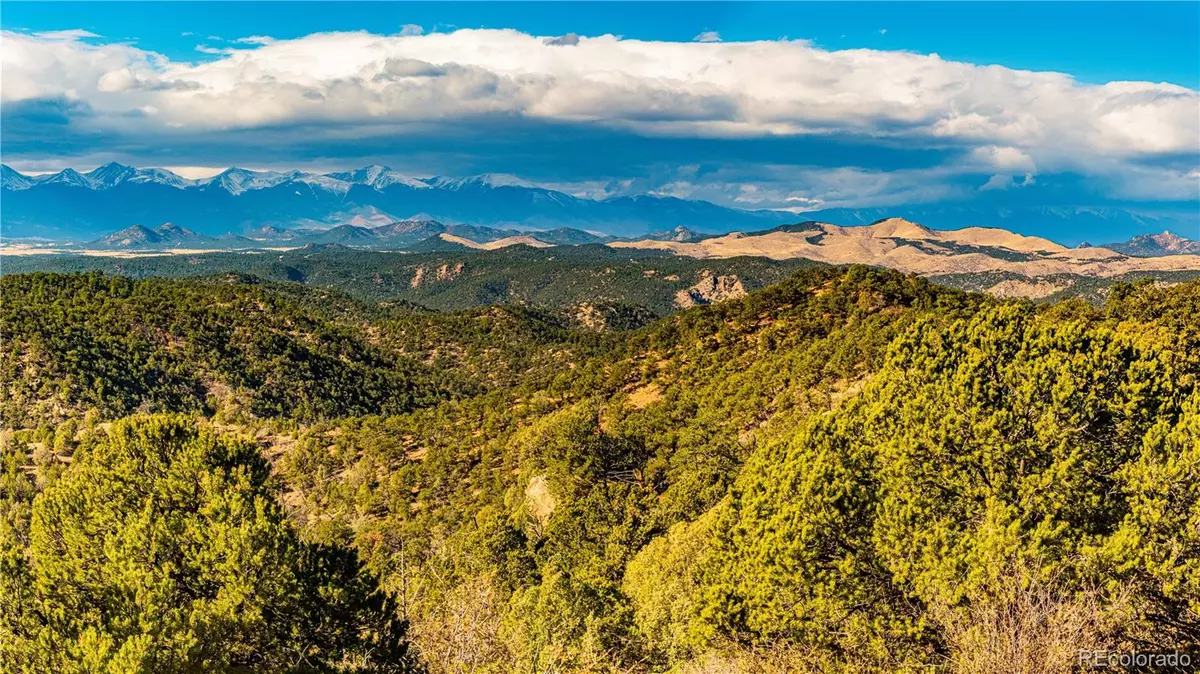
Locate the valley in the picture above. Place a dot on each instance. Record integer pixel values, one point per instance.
(563, 267)
(626, 501)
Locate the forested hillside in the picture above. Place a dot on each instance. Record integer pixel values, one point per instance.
(849, 470)
(555, 279)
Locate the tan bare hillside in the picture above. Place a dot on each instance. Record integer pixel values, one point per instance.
(910, 247)
(523, 239)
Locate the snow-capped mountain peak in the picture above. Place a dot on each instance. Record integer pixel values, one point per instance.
(101, 178)
(15, 180)
(363, 176)
(371, 173)
(66, 177)
(110, 175)
(324, 182)
(378, 177)
(390, 177)
(160, 176)
(486, 180)
(237, 180)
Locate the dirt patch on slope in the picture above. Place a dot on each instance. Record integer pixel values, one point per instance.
(645, 396)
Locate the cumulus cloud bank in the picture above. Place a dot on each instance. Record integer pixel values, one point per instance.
(1004, 121)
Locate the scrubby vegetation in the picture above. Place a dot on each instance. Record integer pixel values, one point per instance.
(164, 549)
(851, 470)
(553, 279)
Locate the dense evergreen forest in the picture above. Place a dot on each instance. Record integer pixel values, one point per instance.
(848, 470)
(555, 279)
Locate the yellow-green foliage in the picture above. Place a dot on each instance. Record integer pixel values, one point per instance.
(1066, 442)
(1158, 543)
(163, 549)
(853, 470)
(663, 586)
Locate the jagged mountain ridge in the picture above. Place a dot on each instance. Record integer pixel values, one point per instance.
(82, 206)
(1156, 245)
(402, 234)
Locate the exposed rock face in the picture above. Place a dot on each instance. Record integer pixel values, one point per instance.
(710, 289)
(538, 499)
(443, 273)
(1033, 290)
(448, 273)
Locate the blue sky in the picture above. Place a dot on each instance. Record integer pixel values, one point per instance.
(770, 105)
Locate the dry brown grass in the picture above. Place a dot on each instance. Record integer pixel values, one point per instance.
(461, 634)
(645, 396)
(1025, 624)
(789, 659)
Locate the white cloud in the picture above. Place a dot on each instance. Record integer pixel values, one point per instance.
(409, 29)
(883, 31)
(596, 189)
(117, 81)
(708, 36)
(73, 34)
(1002, 158)
(1018, 121)
(255, 39)
(1000, 181)
(807, 188)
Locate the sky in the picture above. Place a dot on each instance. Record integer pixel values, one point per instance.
(773, 105)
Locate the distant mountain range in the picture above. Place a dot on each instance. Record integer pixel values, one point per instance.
(400, 235)
(892, 242)
(70, 205)
(1155, 245)
(989, 259)
(82, 206)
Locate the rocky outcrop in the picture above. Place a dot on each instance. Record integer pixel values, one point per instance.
(1033, 289)
(709, 290)
(449, 273)
(444, 273)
